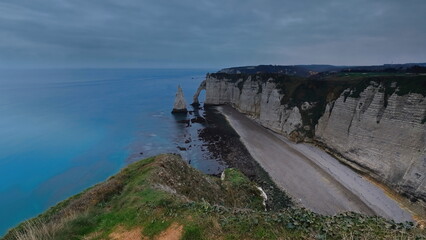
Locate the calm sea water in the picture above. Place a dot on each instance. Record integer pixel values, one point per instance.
(62, 131)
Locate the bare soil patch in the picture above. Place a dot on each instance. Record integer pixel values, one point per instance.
(174, 232)
(123, 234)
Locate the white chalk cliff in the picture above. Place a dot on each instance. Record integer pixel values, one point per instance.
(377, 130)
(180, 105)
(388, 142)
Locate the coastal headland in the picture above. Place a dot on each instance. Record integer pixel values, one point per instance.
(276, 183)
(370, 118)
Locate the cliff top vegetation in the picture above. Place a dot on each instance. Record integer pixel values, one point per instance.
(164, 197)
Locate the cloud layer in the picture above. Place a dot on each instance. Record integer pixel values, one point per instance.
(205, 33)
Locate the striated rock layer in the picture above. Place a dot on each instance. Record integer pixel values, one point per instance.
(376, 125)
(259, 99)
(389, 142)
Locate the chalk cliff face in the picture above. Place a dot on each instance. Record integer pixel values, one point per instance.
(180, 105)
(376, 125)
(387, 140)
(259, 99)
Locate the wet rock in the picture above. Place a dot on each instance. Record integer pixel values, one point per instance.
(185, 121)
(198, 120)
(181, 148)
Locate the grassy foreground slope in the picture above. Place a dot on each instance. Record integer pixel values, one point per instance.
(164, 198)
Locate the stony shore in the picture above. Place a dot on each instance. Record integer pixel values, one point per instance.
(312, 177)
(223, 142)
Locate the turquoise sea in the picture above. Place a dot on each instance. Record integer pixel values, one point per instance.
(63, 130)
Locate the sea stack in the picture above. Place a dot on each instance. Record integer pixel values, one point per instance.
(180, 104)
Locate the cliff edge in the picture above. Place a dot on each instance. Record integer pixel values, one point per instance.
(164, 198)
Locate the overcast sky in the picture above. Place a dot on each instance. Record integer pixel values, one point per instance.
(210, 33)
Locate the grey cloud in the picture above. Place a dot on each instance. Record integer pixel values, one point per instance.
(220, 33)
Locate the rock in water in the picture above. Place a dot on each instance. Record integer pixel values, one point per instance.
(180, 104)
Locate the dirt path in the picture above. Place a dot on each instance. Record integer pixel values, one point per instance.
(312, 177)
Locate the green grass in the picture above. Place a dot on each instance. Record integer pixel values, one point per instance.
(139, 203)
(155, 227)
(352, 75)
(235, 177)
(192, 232)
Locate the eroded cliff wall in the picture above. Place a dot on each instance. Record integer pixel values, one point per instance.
(387, 140)
(376, 124)
(259, 98)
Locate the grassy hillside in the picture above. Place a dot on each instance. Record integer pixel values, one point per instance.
(164, 198)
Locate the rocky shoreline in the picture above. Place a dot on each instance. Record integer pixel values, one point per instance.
(219, 143)
(224, 143)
